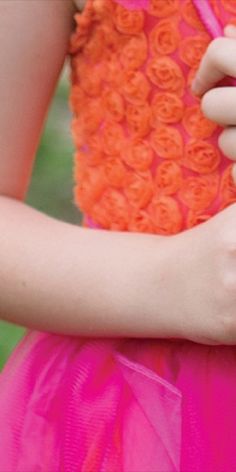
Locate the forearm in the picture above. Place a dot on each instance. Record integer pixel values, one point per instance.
(62, 278)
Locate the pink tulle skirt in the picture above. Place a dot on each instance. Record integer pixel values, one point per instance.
(98, 405)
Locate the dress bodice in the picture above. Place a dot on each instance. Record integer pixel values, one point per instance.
(146, 158)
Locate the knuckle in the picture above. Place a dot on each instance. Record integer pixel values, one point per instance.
(226, 142)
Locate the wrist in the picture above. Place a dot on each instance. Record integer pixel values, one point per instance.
(158, 287)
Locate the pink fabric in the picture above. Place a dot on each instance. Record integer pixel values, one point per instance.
(71, 404)
(118, 405)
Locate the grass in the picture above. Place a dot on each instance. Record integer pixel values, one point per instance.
(51, 185)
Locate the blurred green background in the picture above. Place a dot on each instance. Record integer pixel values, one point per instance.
(51, 186)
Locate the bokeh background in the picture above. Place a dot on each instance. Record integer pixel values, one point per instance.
(51, 187)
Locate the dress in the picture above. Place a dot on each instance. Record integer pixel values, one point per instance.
(146, 160)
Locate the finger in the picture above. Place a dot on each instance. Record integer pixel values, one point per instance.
(215, 65)
(226, 141)
(219, 105)
(230, 31)
(234, 174)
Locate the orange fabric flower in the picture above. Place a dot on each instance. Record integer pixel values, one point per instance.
(192, 49)
(199, 192)
(76, 99)
(77, 41)
(95, 149)
(134, 53)
(139, 189)
(90, 83)
(168, 178)
(165, 37)
(196, 124)
(93, 50)
(138, 119)
(90, 186)
(128, 21)
(138, 155)
(135, 87)
(91, 116)
(113, 138)
(227, 187)
(166, 108)
(191, 16)
(113, 104)
(141, 222)
(162, 8)
(229, 5)
(201, 157)
(111, 211)
(166, 74)
(166, 215)
(215, 6)
(167, 142)
(194, 218)
(115, 172)
(111, 70)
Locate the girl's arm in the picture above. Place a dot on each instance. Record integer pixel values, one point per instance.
(55, 276)
(59, 277)
(34, 36)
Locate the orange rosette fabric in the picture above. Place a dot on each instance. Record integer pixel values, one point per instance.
(194, 218)
(128, 21)
(192, 49)
(111, 211)
(113, 104)
(115, 172)
(77, 99)
(166, 108)
(166, 74)
(163, 8)
(227, 187)
(91, 116)
(139, 119)
(140, 189)
(168, 178)
(134, 53)
(135, 87)
(166, 215)
(201, 157)
(196, 124)
(165, 37)
(198, 193)
(90, 185)
(138, 155)
(191, 16)
(111, 71)
(141, 222)
(167, 142)
(113, 138)
(95, 149)
(229, 5)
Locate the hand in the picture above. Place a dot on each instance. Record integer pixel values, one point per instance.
(219, 104)
(203, 280)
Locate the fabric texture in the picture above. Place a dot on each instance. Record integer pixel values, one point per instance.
(146, 160)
